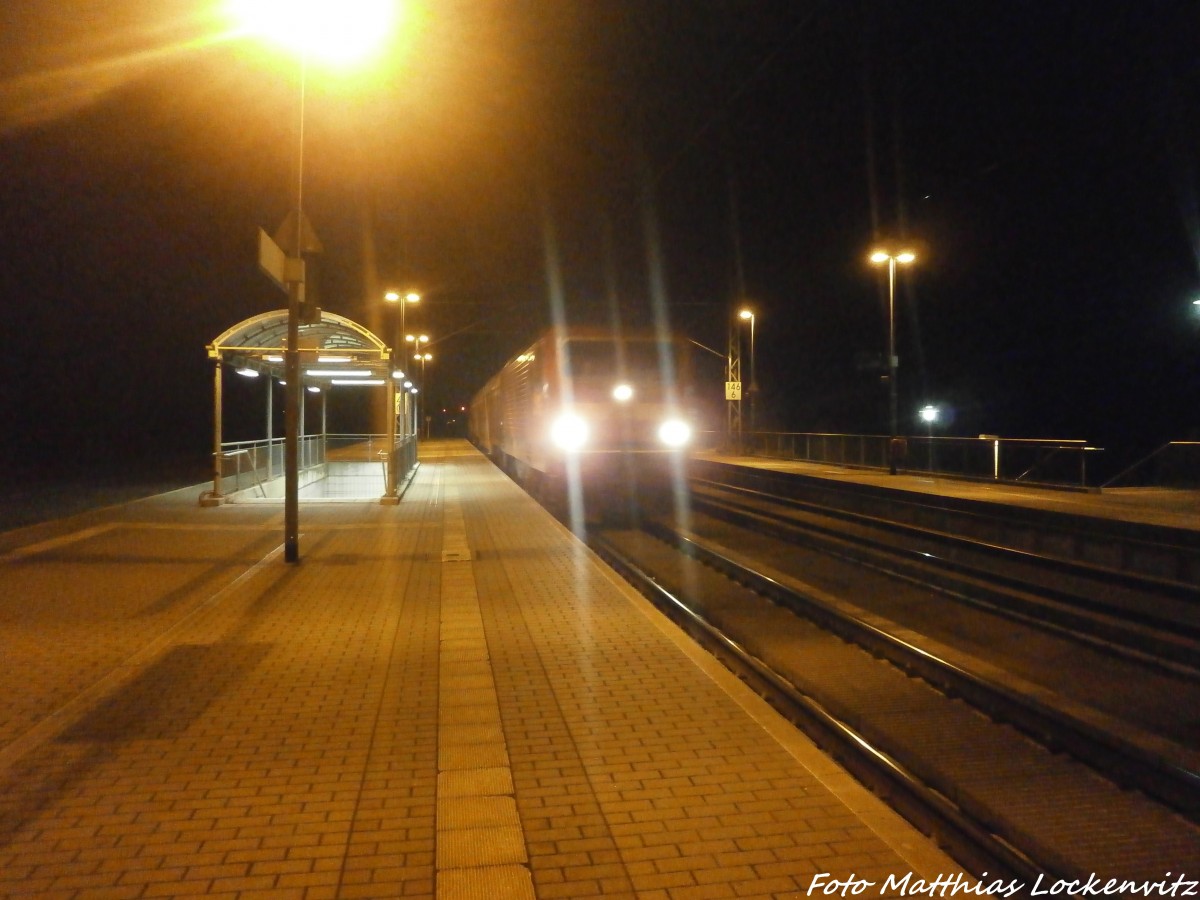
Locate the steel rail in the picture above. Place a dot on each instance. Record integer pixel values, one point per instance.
(1129, 764)
(971, 843)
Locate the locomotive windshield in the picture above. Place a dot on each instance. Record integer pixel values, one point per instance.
(596, 365)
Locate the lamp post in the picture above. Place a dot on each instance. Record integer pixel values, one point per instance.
(879, 257)
(334, 34)
(423, 358)
(748, 315)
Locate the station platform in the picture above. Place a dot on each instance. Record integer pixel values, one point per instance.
(1164, 507)
(450, 697)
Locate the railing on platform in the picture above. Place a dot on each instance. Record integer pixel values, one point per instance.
(1016, 460)
(1175, 465)
(251, 464)
(257, 465)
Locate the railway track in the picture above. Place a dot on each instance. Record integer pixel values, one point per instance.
(1153, 620)
(1012, 776)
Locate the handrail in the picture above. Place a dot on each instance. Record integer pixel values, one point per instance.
(1145, 460)
(987, 457)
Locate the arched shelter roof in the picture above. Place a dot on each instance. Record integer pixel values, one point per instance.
(258, 343)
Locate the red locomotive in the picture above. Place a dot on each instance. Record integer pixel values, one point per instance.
(592, 416)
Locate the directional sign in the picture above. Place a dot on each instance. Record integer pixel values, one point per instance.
(272, 260)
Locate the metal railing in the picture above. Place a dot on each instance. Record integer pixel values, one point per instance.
(248, 464)
(255, 465)
(1175, 465)
(990, 458)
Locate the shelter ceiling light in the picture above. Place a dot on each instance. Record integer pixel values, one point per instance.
(339, 373)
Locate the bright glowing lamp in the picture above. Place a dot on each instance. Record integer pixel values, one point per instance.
(674, 432)
(336, 34)
(623, 393)
(569, 432)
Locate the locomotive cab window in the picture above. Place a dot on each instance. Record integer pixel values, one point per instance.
(597, 366)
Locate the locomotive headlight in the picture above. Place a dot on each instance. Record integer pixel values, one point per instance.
(674, 432)
(622, 393)
(569, 432)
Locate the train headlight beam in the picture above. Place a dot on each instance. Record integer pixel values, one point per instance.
(569, 432)
(674, 432)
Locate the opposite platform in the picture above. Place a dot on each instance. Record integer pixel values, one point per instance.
(451, 697)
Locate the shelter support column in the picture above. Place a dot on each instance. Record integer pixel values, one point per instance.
(389, 492)
(214, 497)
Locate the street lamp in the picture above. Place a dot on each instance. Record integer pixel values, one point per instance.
(748, 315)
(879, 257)
(333, 33)
(423, 358)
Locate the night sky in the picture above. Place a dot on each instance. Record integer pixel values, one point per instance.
(608, 155)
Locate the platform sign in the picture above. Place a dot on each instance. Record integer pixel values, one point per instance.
(733, 390)
(272, 260)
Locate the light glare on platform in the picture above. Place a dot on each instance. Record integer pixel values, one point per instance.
(337, 34)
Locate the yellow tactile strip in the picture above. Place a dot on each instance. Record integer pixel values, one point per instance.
(480, 844)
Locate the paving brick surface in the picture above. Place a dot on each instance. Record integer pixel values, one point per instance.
(449, 697)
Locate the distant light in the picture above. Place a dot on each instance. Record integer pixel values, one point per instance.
(881, 256)
(313, 389)
(334, 359)
(273, 358)
(249, 373)
(339, 373)
(408, 384)
(929, 414)
(397, 374)
(622, 393)
(746, 314)
(358, 381)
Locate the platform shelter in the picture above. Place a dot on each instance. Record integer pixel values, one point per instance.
(336, 355)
